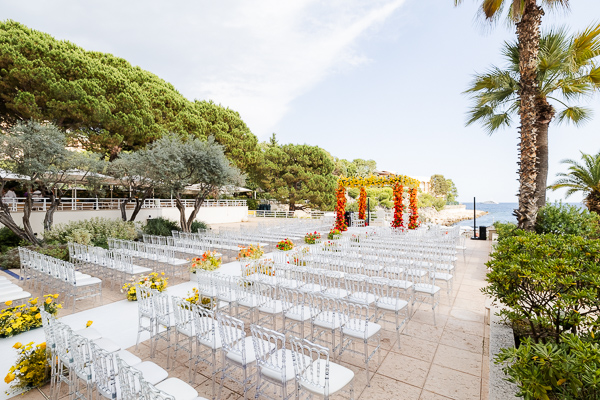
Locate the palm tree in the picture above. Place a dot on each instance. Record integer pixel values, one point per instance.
(583, 178)
(527, 15)
(565, 73)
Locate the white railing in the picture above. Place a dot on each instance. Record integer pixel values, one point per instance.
(42, 204)
(271, 214)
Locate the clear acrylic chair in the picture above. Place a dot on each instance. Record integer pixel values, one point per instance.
(327, 322)
(164, 323)
(183, 315)
(390, 300)
(297, 308)
(315, 374)
(268, 304)
(358, 327)
(130, 381)
(208, 342)
(146, 312)
(238, 353)
(275, 364)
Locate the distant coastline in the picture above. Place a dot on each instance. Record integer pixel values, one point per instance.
(449, 215)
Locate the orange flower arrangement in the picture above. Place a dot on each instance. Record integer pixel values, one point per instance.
(398, 206)
(414, 211)
(362, 203)
(340, 208)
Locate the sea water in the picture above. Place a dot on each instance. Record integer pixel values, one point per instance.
(502, 212)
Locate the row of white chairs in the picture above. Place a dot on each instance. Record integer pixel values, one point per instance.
(266, 360)
(116, 266)
(88, 362)
(54, 275)
(155, 256)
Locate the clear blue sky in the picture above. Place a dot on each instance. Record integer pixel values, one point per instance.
(376, 80)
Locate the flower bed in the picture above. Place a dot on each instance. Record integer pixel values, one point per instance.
(22, 318)
(208, 262)
(312, 238)
(153, 281)
(285, 245)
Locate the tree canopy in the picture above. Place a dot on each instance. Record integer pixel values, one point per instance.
(181, 163)
(294, 174)
(104, 102)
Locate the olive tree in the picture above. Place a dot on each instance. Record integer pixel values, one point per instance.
(180, 163)
(37, 153)
(130, 169)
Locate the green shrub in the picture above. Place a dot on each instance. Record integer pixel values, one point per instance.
(568, 370)
(387, 204)
(160, 226)
(566, 219)
(353, 192)
(352, 207)
(548, 283)
(10, 259)
(95, 231)
(252, 204)
(8, 239)
(506, 229)
(425, 200)
(439, 203)
(196, 225)
(383, 196)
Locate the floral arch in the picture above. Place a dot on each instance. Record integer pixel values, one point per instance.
(398, 182)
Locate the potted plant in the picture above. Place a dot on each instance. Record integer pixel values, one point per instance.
(334, 234)
(312, 238)
(285, 245)
(209, 261)
(153, 281)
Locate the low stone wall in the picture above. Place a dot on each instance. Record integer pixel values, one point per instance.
(447, 217)
(501, 337)
(210, 215)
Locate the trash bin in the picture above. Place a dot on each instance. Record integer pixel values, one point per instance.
(483, 233)
(347, 215)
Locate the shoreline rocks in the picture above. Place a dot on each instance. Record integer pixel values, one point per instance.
(447, 217)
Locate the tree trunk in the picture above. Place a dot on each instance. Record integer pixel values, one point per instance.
(49, 218)
(528, 32)
(27, 207)
(7, 220)
(197, 204)
(545, 115)
(123, 207)
(139, 203)
(181, 208)
(292, 205)
(592, 201)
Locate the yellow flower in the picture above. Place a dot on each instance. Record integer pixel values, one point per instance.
(41, 345)
(59, 306)
(33, 302)
(49, 300)
(17, 345)
(89, 323)
(162, 273)
(56, 296)
(9, 378)
(33, 309)
(8, 330)
(8, 303)
(24, 369)
(38, 316)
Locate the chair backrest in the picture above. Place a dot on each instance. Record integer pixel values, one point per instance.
(311, 363)
(204, 324)
(183, 314)
(162, 308)
(267, 344)
(329, 309)
(79, 348)
(150, 392)
(233, 335)
(144, 299)
(130, 381)
(105, 371)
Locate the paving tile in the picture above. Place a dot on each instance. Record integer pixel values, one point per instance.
(458, 359)
(406, 369)
(416, 348)
(426, 395)
(383, 388)
(462, 340)
(453, 384)
(424, 331)
(470, 327)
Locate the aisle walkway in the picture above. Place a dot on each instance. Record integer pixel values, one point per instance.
(447, 361)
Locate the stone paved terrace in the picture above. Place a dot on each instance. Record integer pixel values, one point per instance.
(447, 361)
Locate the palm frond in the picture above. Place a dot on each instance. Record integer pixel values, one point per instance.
(492, 9)
(586, 45)
(594, 76)
(574, 114)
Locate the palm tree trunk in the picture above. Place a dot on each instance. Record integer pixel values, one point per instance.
(545, 115)
(528, 32)
(592, 201)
